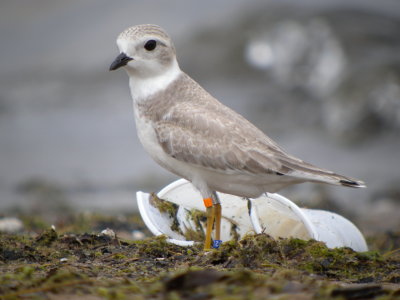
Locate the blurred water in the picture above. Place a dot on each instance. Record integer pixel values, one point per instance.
(323, 82)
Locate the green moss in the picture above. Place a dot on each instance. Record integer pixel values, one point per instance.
(256, 267)
(25, 272)
(370, 256)
(154, 247)
(261, 251)
(166, 207)
(119, 256)
(47, 237)
(198, 218)
(194, 235)
(111, 293)
(64, 274)
(97, 254)
(234, 232)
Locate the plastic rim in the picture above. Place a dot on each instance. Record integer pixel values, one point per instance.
(253, 216)
(297, 210)
(141, 198)
(171, 186)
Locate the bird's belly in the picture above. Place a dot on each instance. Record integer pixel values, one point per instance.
(239, 184)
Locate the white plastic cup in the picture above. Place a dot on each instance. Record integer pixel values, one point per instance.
(280, 217)
(235, 216)
(271, 213)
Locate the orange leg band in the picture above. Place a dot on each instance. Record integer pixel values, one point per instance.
(208, 202)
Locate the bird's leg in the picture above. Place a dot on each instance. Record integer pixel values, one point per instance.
(210, 210)
(218, 215)
(213, 208)
(217, 221)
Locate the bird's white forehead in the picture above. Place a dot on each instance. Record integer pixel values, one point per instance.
(139, 32)
(126, 46)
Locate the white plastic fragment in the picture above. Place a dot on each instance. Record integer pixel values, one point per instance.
(11, 225)
(271, 213)
(138, 235)
(108, 232)
(280, 217)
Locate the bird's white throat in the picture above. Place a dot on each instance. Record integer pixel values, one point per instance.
(144, 87)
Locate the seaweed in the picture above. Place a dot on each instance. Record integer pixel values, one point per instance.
(166, 207)
(66, 263)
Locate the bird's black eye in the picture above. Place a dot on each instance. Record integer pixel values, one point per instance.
(150, 45)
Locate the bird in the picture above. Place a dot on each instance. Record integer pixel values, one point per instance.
(193, 135)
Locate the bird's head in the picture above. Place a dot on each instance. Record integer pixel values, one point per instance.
(145, 51)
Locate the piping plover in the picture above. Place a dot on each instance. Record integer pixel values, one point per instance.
(190, 133)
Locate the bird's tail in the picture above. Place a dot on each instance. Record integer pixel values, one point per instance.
(323, 176)
(308, 172)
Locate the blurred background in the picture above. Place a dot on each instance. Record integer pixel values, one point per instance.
(322, 78)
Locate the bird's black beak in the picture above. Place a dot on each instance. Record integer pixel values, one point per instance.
(120, 61)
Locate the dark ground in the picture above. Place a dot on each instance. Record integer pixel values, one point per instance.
(75, 261)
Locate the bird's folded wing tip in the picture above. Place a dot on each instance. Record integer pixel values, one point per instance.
(354, 184)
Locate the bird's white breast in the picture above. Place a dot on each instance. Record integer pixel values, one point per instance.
(148, 138)
(144, 87)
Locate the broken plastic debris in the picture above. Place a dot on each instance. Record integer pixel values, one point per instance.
(138, 235)
(11, 225)
(178, 212)
(108, 232)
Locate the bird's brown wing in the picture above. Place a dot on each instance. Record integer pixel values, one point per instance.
(215, 137)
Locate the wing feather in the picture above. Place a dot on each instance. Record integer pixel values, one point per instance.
(218, 138)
